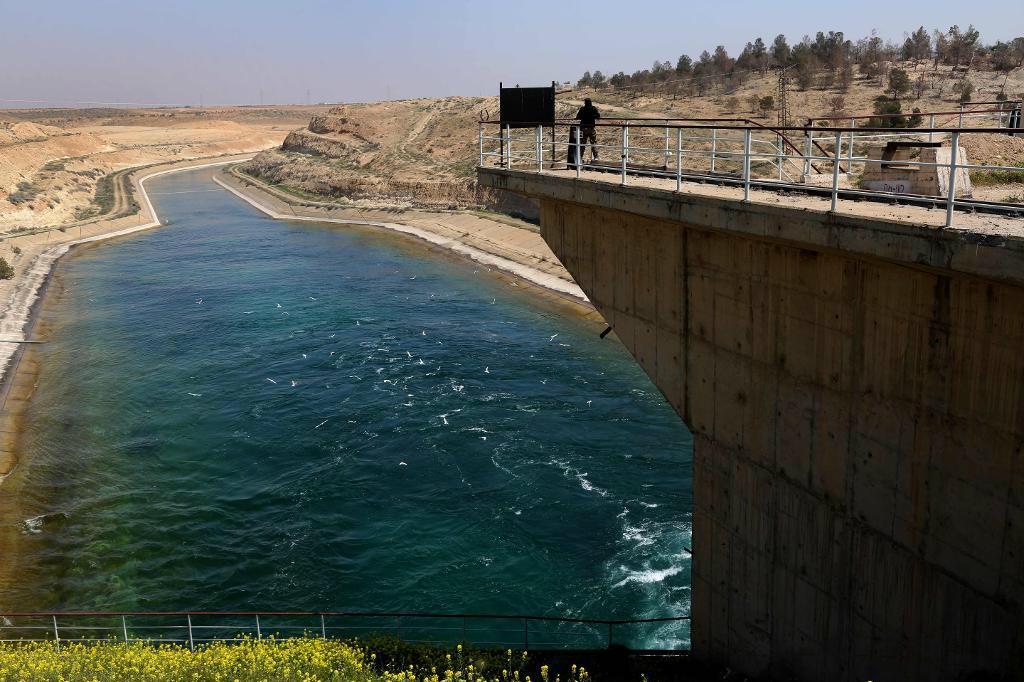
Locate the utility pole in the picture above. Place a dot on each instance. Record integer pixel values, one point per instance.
(783, 97)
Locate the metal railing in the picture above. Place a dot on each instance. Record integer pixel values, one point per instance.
(817, 160)
(195, 628)
(996, 114)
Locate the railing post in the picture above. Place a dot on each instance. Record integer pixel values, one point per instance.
(961, 123)
(746, 164)
(56, 632)
(508, 146)
(778, 154)
(323, 627)
(835, 170)
(579, 151)
(124, 629)
(259, 632)
(625, 152)
(951, 198)
(191, 642)
(808, 148)
(481, 144)
(679, 159)
(540, 149)
(667, 155)
(714, 148)
(849, 152)
(931, 126)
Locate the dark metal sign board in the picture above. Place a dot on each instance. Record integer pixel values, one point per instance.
(527, 107)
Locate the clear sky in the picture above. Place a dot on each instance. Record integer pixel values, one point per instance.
(228, 51)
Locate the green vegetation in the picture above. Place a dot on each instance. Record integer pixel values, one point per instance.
(997, 177)
(899, 83)
(310, 659)
(827, 60)
(25, 192)
(102, 201)
(6, 271)
(889, 113)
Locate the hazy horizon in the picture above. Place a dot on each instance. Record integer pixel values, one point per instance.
(111, 52)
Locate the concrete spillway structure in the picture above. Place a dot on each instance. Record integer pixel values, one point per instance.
(855, 388)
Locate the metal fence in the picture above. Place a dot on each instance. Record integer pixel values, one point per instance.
(195, 628)
(825, 161)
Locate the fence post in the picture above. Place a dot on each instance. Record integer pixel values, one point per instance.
(679, 159)
(191, 643)
(931, 126)
(508, 146)
(746, 164)
(961, 123)
(323, 627)
(481, 144)
(56, 632)
(849, 152)
(666, 147)
(835, 170)
(579, 150)
(714, 148)
(951, 198)
(778, 154)
(540, 149)
(808, 148)
(124, 629)
(625, 147)
(259, 632)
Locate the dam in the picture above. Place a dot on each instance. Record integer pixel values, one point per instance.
(852, 375)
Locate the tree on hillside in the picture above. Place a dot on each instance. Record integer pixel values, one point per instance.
(960, 45)
(870, 56)
(964, 91)
(921, 86)
(845, 77)
(6, 271)
(598, 79)
(899, 83)
(917, 47)
(684, 66)
(766, 105)
(780, 51)
(888, 111)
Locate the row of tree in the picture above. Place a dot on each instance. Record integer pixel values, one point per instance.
(828, 60)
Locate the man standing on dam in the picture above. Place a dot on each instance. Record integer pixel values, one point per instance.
(587, 116)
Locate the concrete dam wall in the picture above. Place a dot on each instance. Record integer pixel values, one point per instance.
(856, 393)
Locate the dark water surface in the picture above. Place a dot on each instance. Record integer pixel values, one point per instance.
(238, 413)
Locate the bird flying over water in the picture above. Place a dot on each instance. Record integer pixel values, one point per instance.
(271, 380)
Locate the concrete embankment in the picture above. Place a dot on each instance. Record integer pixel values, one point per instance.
(505, 244)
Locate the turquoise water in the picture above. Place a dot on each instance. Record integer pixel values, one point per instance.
(238, 413)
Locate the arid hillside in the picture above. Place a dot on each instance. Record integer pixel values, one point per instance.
(56, 165)
(422, 152)
(409, 152)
